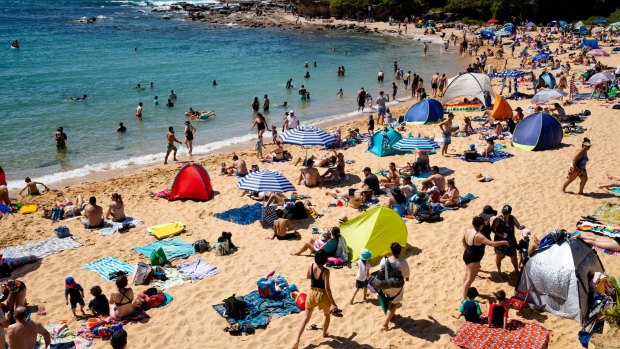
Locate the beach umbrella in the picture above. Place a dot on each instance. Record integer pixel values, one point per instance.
(601, 77)
(552, 24)
(601, 20)
(492, 20)
(546, 96)
(541, 56)
(415, 143)
(562, 23)
(266, 181)
(530, 25)
(597, 52)
(613, 28)
(308, 136)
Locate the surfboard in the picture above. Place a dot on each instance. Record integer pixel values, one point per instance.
(165, 230)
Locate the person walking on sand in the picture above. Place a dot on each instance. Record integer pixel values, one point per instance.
(139, 110)
(578, 167)
(363, 272)
(189, 137)
(260, 123)
(170, 147)
(61, 139)
(24, 332)
(392, 297)
(74, 293)
(320, 295)
(381, 107)
(446, 131)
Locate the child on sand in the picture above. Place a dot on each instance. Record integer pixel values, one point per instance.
(259, 147)
(274, 133)
(363, 271)
(32, 187)
(99, 305)
(498, 313)
(470, 308)
(74, 293)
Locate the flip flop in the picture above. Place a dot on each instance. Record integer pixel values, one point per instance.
(336, 312)
(313, 327)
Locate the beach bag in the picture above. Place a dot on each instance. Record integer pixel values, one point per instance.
(267, 288)
(56, 214)
(298, 211)
(387, 277)
(158, 257)
(429, 216)
(236, 308)
(143, 274)
(336, 261)
(355, 202)
(62, 232)
(470, 155)
(221, 248)
(201, 246)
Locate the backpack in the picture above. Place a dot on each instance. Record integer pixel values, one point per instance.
(62, 232)
(386, 277)
(236, 308)
(201, 246)
(143, 274)
(470, 311)
(428, 216)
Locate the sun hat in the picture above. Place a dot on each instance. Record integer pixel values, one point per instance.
(472, 293)
(343, 218)
(526, 233)
(365, 254)
(488, 210)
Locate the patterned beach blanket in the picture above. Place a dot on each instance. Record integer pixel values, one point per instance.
(113, 227)
(245, 215)
(467, 107)
(608, 213)
(107, 265)
(499, 155)
(175, 278)
(173, 248)
(41, 248)
(197, 269)
(528, 335)
(62, 337)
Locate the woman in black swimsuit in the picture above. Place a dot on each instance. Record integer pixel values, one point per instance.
(261, 124)
(189, 136)
(255, 104)
(122, 298)
(14, 293)
(504, 228)
(474, 243)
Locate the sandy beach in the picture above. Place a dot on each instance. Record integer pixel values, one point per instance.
(529, 181)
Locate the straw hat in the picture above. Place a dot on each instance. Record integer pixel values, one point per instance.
(343, 218)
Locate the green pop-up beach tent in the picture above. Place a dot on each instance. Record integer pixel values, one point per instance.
(375, 230)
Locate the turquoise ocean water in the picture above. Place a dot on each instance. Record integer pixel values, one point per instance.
(60, 58)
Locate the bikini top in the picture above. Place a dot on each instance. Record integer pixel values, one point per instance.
(124, 296)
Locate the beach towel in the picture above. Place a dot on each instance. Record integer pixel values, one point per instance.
(174, 248)
(581, 96)
(262, 310)
(465, 199)
(62, 337)
(196, 269)
(164, 194)
(530, 335)
(607, 213)
(174, 278)
(615, 190)
(111, 227)
(136, 316)
(599, 229)
(41, 248)
(245, 215)
(107, 265)
(499, 155)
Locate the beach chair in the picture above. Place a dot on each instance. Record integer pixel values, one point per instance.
(519, 300)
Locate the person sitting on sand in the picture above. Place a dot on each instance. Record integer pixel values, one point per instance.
(116, 209)
(451, 197)
(435, 179)
(122, 298)
(338, 172)
(558, 112)
(277, 198)
(99, 305)
(324, 160)
(615, 182)
(24, 332)
(93, 214)
(281, 226)
(466, 127)
(32, 188)
(407, 187)
(489, 149)
(14, 293)
(238, 167)
(392, 177)
(277, 154)
(333, 246)
(498, 313)
(4, 196)
(397, 201)
(310, 175)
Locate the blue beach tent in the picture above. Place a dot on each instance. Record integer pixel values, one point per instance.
(428, 111)
(583, 30)
(382, 141)
(538, 131)
(590, 42)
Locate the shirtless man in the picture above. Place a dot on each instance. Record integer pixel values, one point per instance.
(281, 226)
(93, 214)
(139, 110)
(238, 168)
(32, 187)
(446, 131)
(61, 139)
(310, 175)
(434, 84)
(436, 179)
(23, 333)
(171, 148)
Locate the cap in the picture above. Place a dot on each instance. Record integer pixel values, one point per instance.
(526, 233)
(472, 147)
(488, 210)
(291, 111)
(506, 209)
(69, 280)
(365, 254)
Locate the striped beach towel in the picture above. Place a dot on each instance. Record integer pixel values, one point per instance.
(107, 265)
(41, 248)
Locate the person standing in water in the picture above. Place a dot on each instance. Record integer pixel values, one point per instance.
(156, 100)
(61, 139)
(266, 104)
(173, 95)
(170, 147)
(139, 110)
(255, 104)
(189, 136)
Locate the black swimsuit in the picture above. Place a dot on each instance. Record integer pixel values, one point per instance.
(260, 125)
(317, 283)
(473, 253)
(189, 135)
(123, 294)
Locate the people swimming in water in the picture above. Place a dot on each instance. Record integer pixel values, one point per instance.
(121, 128)
(15, 44)
(139, 87)
(307, 76)
(151, 85)
(214, 83)
(83, 98)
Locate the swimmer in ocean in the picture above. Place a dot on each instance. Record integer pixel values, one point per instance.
(138, 87)
(307, 76)
(121, 128)
(340, 93)
(214, 83)
(83, 98)
(173, 95)
(151, 85)
(139, 110)
(156, 100)
(15, 44)
(289, 83)
(169, 104)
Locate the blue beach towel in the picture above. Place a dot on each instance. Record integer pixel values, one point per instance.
(107, 265)
(173, 248)
(245, 215)
(615, 190)
(500, 155)
(197, 269)
(262, 310)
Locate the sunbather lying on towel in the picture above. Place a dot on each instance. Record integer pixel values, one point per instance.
(69, 208)
(601, 241)
(615, 182)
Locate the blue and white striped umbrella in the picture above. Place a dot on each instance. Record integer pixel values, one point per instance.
(308, 135)
(266, 181)
(415, 143)
(512, 73)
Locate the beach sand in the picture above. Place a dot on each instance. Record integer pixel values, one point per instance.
(530, 181)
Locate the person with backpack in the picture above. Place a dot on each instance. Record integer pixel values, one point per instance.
(498, 313)
(470, 308)
(320, 295)
(393, 296)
